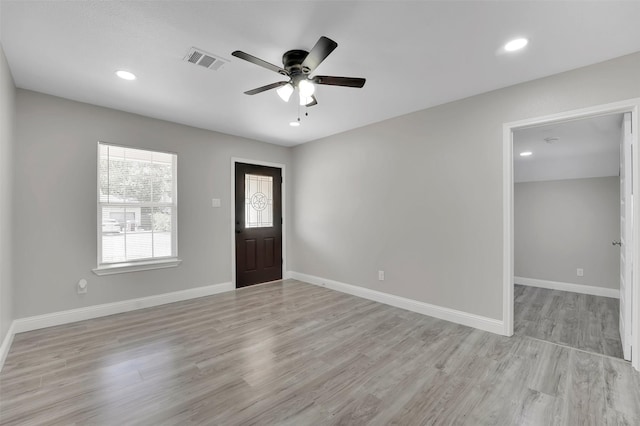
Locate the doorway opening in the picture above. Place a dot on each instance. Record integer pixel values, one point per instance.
(630, 297)
(567, 231)
(257, 222)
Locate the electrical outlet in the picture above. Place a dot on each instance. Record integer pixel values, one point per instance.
(580, 272)
(82, 286)
(380, 275)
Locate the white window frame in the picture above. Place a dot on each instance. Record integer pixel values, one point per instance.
(142, 264)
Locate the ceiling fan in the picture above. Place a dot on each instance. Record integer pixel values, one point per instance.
(298, 64)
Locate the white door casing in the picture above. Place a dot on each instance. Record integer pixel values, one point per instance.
(627, 106)
(281, 166)
(626, 236)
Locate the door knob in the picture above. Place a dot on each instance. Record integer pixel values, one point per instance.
(616, 243)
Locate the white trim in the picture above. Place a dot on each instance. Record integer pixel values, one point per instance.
(635, 270)
(575, 288)
(96, 311)
(6, 344)
(120, 268)
(630, 105)
(232, 199)
(507, 230)
(613, 108)
(447, 314)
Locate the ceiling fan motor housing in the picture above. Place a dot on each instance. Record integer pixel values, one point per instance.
(292, 61)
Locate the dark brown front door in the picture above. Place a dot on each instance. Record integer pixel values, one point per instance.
(258, 224)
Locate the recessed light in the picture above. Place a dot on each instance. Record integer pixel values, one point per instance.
(294, 124)
(126, 75)
(516, 44)
(526, 153)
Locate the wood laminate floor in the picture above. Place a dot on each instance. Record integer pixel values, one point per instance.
(295, 354)
(578, 320)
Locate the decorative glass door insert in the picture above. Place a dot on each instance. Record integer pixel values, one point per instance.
(258, 201)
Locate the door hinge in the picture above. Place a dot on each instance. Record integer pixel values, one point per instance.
(281, 221)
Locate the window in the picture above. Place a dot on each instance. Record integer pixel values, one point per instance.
(136, 209)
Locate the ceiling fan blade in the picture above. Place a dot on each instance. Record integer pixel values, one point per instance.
(265, 88)
(324, 46)
(258, 61)
(339, 81)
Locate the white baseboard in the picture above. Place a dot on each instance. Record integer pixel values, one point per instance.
(96, 311)
(575, 288)
(458, 317)
(6, 344)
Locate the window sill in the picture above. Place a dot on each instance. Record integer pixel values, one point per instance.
(121, 268)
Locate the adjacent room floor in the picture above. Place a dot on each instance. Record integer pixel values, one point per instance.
(582, 321)
(293, 353)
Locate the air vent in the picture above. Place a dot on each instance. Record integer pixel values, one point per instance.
(204, 59)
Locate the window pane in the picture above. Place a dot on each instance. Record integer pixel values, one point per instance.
(138, 241)
(139, 244)
(258, 201)
(113, 240)
(162, 231)
(103, 174)
(124, 238)
(134, 175)
(161, 175)
(112, 181)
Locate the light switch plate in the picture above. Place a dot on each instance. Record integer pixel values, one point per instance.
(215, 202)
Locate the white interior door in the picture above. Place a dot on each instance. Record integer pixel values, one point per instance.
(626, 229)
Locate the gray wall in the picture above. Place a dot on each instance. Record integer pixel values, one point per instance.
(55, 202)
(7, 115)
(420, 196)
(563, 225)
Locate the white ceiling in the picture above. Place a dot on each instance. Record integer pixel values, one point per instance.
(584, 148)
(414, 54)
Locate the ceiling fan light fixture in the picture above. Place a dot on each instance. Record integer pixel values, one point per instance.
(294, 123)
(285, 92)
(306, 89)
(305, 100)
